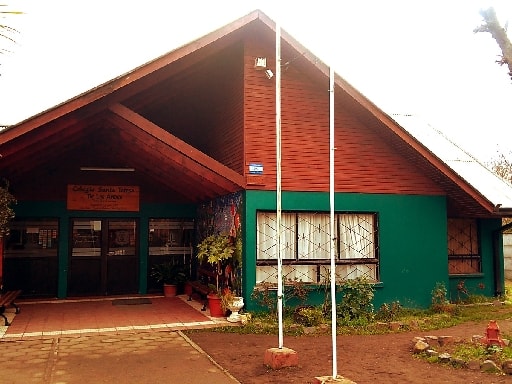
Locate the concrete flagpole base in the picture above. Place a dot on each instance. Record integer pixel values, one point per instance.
(330, 379)
(277, 358)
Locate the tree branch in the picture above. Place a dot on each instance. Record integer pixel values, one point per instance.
(492, 25)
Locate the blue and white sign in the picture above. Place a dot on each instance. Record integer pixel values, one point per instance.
(256, 169)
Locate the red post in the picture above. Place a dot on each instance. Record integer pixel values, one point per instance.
(492, 334)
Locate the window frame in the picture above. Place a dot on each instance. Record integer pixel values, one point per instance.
(319, 262)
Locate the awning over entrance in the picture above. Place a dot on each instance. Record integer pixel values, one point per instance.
(56, 153)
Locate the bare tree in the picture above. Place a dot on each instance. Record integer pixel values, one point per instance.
(6, 31)
(499, 33)
(502, 166)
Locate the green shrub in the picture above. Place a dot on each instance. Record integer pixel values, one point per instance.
(389, 312)
(439, 298)
(296, 291)
(308, 316)
(356, 302)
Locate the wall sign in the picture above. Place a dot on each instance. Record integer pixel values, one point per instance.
(256, 169)
(103, 197)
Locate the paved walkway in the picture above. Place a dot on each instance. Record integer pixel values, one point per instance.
(56, 317)
(94, 341)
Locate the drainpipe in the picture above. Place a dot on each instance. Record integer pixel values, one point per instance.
(499, 289)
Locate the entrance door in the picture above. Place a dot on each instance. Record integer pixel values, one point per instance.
(104, 257)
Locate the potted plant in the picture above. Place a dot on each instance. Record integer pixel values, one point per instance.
(215, 250)
(170, 274)
(231, 295)
(230, 300)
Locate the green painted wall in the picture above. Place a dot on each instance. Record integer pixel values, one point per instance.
(412, 239)
(57, 209)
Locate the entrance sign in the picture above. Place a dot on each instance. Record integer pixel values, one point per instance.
(103, 198)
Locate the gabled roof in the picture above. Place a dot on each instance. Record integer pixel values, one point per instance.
(22, 145)
(492, 187)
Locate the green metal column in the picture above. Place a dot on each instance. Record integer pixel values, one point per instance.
(62, 284)
(143, 254)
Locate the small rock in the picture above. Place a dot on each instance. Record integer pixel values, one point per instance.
(489, 366)
(431, 352)
(394, 325)
(420, 347)
(432, 340)
(445, 357)
(506, 366)
(445, 340)
(457, 362)
(477, 338)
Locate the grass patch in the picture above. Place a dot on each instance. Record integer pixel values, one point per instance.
(442, 314)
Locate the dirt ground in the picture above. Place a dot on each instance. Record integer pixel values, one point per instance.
(375, 359)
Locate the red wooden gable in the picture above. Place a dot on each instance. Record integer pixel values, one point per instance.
(190, 122)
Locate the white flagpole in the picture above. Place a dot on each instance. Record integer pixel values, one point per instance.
(332, 228)
(278, 186)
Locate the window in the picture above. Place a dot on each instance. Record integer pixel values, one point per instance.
(170, 236)
(305, 246)
(463, 252)
(32, 237)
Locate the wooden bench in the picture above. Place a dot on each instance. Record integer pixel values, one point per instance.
(201, 285)
(7, 299)
(201, 289)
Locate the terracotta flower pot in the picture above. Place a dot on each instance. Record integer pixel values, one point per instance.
(188, 289)
(215, 305)
(170, 290)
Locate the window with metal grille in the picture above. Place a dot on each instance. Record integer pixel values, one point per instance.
(305, 246)
(463, 252)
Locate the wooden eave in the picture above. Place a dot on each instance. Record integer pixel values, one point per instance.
(180, 153)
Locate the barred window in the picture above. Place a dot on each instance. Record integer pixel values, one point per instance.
(463, 251)
(305, 246)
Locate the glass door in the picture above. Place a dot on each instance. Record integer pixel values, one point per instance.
(122, 263)
(104, 258)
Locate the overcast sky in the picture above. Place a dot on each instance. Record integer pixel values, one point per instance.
(413, 57)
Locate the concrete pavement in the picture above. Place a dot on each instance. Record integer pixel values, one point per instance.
(131, 357)
(93, 341)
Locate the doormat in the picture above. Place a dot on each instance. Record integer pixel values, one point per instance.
(131, 301)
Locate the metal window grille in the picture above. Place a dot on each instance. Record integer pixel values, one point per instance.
(463, 251)
(305, 242)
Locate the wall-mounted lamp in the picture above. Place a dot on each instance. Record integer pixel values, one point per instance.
(107, 169)
(269, 74)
